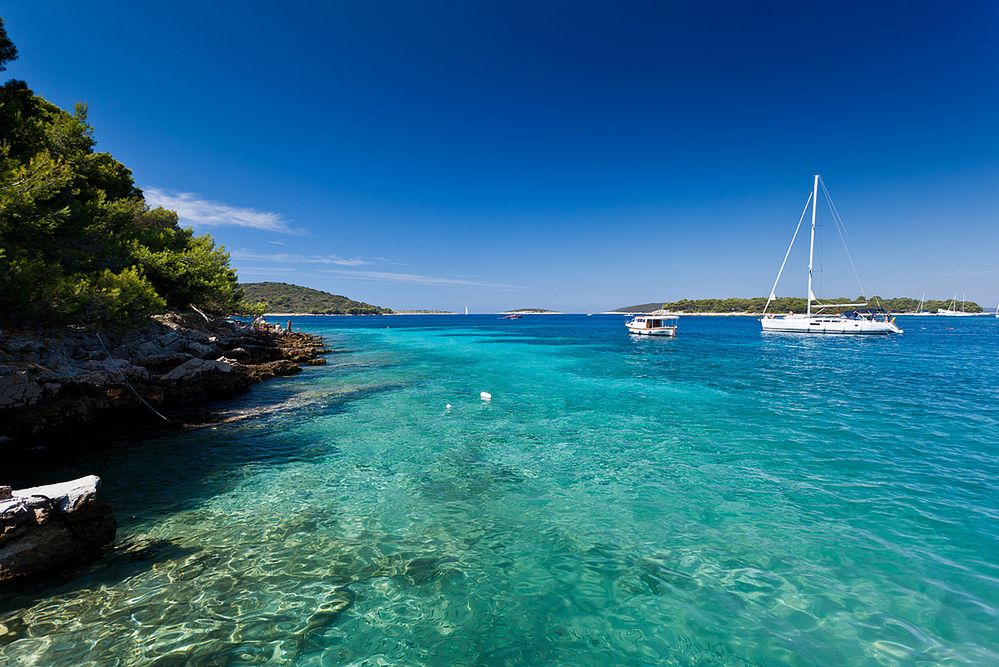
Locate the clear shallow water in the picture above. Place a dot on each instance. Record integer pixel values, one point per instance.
(722, 498)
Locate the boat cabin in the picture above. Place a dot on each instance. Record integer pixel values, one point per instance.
(657, 322)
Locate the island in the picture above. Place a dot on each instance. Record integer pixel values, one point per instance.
(281, 299)
(422, 312)
(531, 311)
(755, 305)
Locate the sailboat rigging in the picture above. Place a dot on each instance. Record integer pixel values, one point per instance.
(953, 311)
(870, 321)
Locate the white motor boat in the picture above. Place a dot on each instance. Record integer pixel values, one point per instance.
(656, 323)
(814, 320)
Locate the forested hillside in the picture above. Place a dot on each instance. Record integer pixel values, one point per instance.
(287, 298)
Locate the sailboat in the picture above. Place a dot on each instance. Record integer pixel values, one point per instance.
(814, 321)
(997, 312)
(466, 310)
(919, 310)
(953, 311)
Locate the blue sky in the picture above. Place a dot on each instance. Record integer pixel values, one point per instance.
(566, 155)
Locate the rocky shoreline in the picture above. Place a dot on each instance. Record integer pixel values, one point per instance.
(76, 380)
(44, 526)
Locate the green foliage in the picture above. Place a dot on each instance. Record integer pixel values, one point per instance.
(790, 304)
(8, 51)
(251, 308)
(286, 298)
(108, 297)
(79, 243)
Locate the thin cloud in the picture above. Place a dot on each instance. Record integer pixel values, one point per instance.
(197, 211)
(414, 279)
(287, 258)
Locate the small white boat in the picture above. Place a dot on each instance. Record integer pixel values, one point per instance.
(850, 322)
(656, 323)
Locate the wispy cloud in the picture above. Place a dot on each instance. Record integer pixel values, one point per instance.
(197, 211)
(414, 279)
(299, 261)
(287, 258)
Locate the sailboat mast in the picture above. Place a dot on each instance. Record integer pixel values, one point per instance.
(811, 246)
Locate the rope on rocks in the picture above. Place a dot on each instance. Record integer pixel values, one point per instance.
(125, 379)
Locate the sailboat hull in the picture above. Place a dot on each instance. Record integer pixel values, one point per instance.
(842, 326)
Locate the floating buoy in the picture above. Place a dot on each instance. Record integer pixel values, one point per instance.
(485, 396)
(447, 407)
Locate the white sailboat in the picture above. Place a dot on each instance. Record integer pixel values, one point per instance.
(997, 312)
(466, 310)
(953, 311)
(919, 310)
(814, 321)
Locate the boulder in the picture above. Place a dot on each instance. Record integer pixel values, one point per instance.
(194, 368)
(43, 526)
(18, 389)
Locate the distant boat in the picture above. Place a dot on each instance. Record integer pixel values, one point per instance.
(851, 322)
(511, 316)
(997, 312)
(590, 314)
(466, 310)
(953, 312)
(919, 310)
(656, 323)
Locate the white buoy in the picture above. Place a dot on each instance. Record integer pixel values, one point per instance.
(485, 396)
(447, 407)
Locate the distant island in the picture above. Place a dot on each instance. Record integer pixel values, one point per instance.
(423, 312)
(755, 305)
(531, 311)
(285, 298)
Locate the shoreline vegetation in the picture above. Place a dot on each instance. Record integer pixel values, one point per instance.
(754, 306)
(277, 299)
(531, 311)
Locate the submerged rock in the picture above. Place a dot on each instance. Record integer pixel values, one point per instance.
(44, 526)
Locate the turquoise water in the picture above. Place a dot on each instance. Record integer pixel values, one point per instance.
(722, 498)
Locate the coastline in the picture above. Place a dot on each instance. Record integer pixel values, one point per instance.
(683, 314)
(352, 314)
(56, 385)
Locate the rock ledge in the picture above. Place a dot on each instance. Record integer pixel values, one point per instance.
(64, 382)
(44, 526)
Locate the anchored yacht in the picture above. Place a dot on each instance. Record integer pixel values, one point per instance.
(814, 320)
(953, 311)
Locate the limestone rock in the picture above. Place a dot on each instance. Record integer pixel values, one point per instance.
(18, 389)
(57, 381)
(43, 526)
(193, 368)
